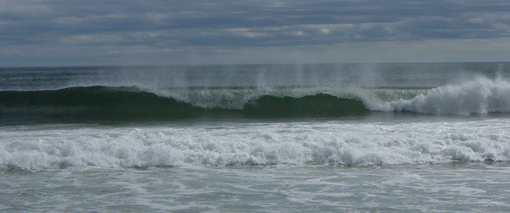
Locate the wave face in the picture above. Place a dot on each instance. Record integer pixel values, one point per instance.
(80, 104)
(101, 103)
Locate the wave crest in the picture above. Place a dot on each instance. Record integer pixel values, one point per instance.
(479, 96)
(98, 103)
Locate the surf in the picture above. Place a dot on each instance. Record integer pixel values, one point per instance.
(343, 143)
(478, 96)
(481, 95)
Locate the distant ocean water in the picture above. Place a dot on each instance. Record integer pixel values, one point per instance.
(267, 138)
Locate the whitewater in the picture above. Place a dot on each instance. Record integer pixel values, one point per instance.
(264, 138)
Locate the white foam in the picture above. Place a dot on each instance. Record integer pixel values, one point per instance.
(478, 96)
(274, 143)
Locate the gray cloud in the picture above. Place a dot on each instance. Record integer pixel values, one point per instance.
(236, 24)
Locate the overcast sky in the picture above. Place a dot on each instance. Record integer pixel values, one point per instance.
(144, 32)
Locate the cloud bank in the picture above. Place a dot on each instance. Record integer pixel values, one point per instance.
(259, 31)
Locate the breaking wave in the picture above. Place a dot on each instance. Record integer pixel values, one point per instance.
(132, 104)
(101, 103)
(479, 96)
(273, 143)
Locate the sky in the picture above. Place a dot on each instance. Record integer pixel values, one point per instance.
(166, 32)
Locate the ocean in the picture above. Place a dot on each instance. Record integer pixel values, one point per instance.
(414, 137)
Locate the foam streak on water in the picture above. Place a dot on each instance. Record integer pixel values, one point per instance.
(465, 187)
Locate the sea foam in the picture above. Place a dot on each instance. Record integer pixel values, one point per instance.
(478, 96)
(296, 143)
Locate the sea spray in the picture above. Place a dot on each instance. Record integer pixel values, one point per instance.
(479, 96)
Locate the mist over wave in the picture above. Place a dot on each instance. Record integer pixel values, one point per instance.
(420, 88)
(480, 95)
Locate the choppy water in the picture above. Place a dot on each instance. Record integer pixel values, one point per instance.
(458, 187)
(270, 138)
